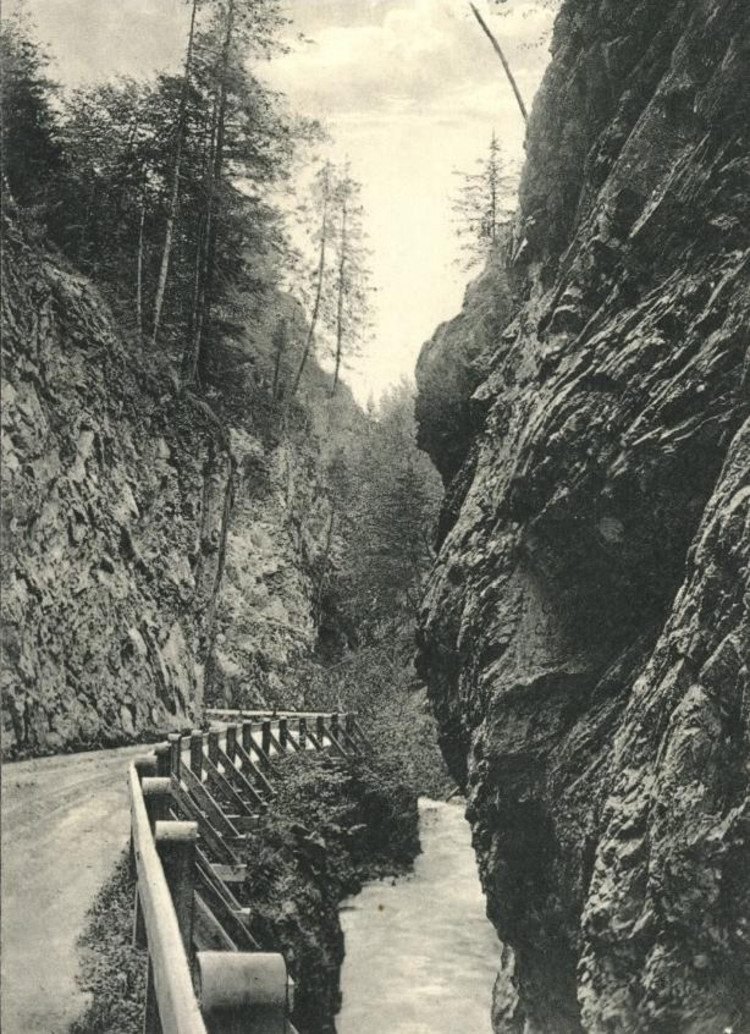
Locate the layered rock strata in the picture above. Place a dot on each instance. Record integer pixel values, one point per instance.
(157, 552)
(585, 631)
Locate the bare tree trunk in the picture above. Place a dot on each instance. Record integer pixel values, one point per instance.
(175, 195)
(123, 179)
(493, 187)
(340, 309)
(324, 568)
(318, 295)
(201, 262)
(498, 50)
(139, 274)
(216, 162)
(87, 216)
(281, 341)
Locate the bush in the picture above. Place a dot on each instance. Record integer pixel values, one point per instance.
(378, 683)
(333, 824)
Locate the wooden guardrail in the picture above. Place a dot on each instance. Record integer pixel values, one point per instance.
(193, 803)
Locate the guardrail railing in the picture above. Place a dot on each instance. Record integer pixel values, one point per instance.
(193, 804)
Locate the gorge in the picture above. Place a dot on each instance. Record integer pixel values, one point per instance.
(585, 633)
(581, 600)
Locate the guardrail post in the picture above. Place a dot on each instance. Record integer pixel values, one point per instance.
(242, 992)
(196, 753)
(213, 746)
(303, 733)
(283, 732)
(266, 736)
(320, 729)
(157, 793)
(248, 743)
(175, 842)
(231, 742)
(335, 726)
(175, 750)
(162, 751)
(145, 767)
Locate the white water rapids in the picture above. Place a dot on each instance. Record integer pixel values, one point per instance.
(421, 956)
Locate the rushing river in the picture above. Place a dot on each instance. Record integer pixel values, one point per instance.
(421, 957)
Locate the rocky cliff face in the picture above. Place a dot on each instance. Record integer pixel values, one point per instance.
(585, 633)
(158, 551)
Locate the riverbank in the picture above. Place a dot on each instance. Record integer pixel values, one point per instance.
(333, 824)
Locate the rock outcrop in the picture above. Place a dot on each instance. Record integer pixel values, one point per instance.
(585, 632)
(158, 549)
(449, 366)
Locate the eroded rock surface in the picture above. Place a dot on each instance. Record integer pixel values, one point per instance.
(154, 554)
(585, 631)
(449, 366)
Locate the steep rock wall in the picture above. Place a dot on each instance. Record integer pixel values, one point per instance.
(584, 634)
(155, 554)
(449, 367)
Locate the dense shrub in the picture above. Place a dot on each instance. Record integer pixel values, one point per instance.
(333, 824)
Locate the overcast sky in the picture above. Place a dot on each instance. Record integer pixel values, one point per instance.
(410, 90)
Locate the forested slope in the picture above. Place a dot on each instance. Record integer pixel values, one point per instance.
(159, 550)
(585, 632)
(195, 508)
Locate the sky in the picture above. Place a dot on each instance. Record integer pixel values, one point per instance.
(410, 90)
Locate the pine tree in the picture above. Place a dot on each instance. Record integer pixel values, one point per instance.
(387, 495)
(321, 203)
(353, 287)
(242, 124)
(481, 206)
(31, 152)
(175, 190)
(339, 305)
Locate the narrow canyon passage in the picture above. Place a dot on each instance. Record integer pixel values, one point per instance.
(421, 956)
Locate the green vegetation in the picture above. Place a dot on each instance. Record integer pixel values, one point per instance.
(386, 495)
(335, 279)
(161, 190)
(112, 971)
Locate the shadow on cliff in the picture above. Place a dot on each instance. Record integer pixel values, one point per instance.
(590, 579)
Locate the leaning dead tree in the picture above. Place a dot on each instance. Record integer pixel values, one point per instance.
(323, 191)
(498, 50)
(174, 199)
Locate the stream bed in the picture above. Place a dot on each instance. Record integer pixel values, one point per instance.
(421, 956)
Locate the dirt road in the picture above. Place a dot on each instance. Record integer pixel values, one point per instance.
(65, 821)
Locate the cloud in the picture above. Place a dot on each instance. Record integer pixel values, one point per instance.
(411, 89)
(96, 39)
(416, 54)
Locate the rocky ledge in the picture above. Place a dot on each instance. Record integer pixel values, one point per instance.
(585, 633)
